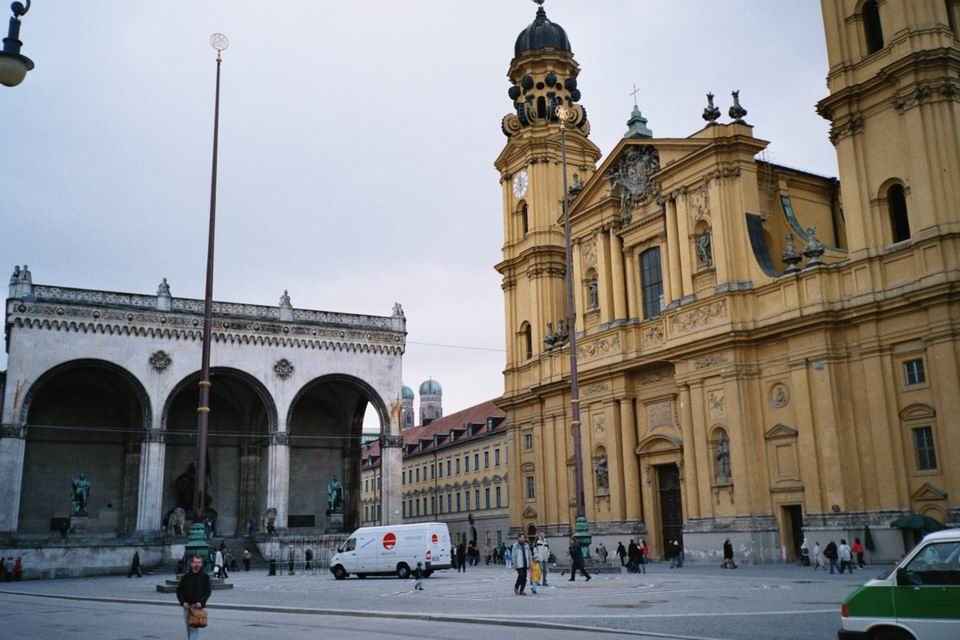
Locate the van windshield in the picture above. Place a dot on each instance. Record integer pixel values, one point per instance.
(936, 564)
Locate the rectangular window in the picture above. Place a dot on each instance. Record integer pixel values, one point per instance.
(449, 502)
(433, 470)
(440, 505)
(486, 497)
(466, 500)
(528, 441)
(404, 509)
(403, 477)
(458, 502)
(926, 452)
(418, 506)
(433, 504)
(476, 462)
(440, 469)
(457, 465)
(418, 474)
(531, 494)
(496, 457)
(651, 282)
(476, 498)
(496, 491)
(466, 463)
(486, 459)
(913, 372)
(448, 466)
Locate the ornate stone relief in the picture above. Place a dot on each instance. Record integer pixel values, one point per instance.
(589, 254)
(710, 361)
(653, 336)
(283, 368)
(660, 414)
(700, 317)
(699, 200)
(160, 361)
(599, 424)
(594, 388)
(632, 177)
(715, 403)
(656, 375)
(779, 395)
(280, 437)
(599, 348)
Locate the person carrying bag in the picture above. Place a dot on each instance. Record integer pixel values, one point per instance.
(192, 593)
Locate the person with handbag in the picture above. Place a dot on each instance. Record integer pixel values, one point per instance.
(192, 593)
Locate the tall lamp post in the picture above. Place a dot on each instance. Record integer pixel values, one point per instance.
(581, 527)
(13, 64)
(219, 42)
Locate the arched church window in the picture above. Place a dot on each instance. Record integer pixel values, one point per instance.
(526, 340)
(524, 223)
(897, 206)
(872, 29)
(541, 107)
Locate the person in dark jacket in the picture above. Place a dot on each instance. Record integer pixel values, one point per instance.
(135, 566)
(193, 592)
(621, 553)
(576, 560)
(830, 553)
(728, 562)
(633, 557)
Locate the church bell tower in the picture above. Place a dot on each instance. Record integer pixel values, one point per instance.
(543, 75)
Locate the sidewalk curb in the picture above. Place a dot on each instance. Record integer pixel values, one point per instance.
(401, 615)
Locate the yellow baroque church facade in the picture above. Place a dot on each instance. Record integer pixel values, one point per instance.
(764, 354)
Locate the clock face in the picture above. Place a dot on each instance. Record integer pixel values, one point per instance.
(520, 184)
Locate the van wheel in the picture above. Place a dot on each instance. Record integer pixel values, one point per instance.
(339, 572)
(892, 634)
(361, 575)
(403, 571)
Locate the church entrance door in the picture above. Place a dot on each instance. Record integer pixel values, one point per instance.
(671, 509)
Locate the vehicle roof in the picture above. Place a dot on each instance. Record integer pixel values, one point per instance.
(946, 534)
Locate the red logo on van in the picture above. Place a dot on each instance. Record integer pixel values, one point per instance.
(389, 541)
(434, 539)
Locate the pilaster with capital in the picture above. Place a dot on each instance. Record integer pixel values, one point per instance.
(673, 252)
(691, 485)
(278, 476)
(13, 441)
(631, 468)
(616, 270)
(150, 491)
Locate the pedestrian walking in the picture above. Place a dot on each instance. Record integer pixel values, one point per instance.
(602, 553)
(507, 558)
(541, 553)
(830, 553)
(18, 569)
(633, 557)
(487, 554)
(218, 570)
(193, 593)
(290, 560)
(576, 560)
(308, 559)
(135, 566)
(644, 555)
(247, 557)
(418, 577)
(845, 556)
(462, 557)
(522, 559)
(858, 550)
(728, 562)
(804, 559)
(622, 553)
(818, 559)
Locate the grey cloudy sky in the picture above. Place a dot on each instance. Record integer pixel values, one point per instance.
(357, 142)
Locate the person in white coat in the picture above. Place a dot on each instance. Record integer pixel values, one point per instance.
(541, 555)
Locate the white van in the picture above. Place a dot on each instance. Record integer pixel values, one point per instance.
(394, 549)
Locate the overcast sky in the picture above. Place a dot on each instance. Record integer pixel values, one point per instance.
(357, 144)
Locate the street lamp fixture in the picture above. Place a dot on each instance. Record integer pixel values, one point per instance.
(14, 65)
(566, 116)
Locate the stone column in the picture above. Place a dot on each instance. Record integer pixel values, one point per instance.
(13, 443)
(153, 451)
(578, 301)
(391, 464)
(685, 293)
(673, 252)
(616, 264)
(633, 279)
(604, 281)
(668, 295)
(631, 470)
(691, 489)
(278, 476)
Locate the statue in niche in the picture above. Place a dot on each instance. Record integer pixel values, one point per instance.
(334, 496)
(603, 475)
(722, 458)
(80, 495)
(704, 248)
(593, 294)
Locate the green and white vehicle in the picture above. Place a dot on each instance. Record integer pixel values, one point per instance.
(918, 600)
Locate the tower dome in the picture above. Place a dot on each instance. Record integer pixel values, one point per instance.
(406, 393)
(541, 34)
(431, 388)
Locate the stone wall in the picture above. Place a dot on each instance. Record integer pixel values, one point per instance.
(78, 557)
